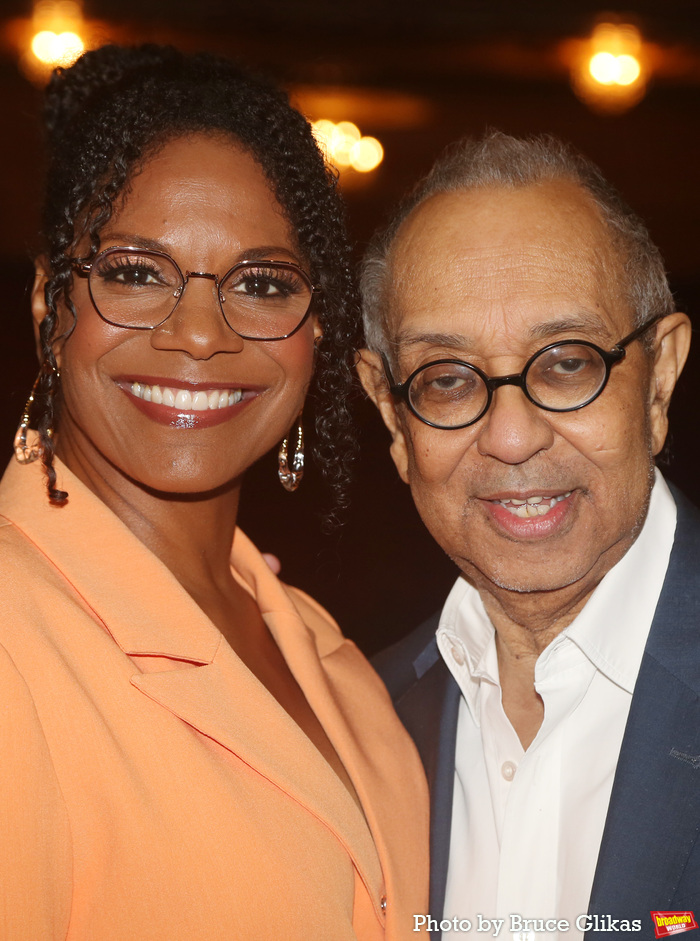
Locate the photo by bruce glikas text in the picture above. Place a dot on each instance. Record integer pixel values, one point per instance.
(523, 929)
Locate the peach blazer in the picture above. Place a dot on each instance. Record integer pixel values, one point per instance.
(151, 789)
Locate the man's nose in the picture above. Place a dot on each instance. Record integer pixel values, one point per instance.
(196, 325)
(513, 430)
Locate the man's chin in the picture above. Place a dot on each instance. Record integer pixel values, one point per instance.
(540, 576)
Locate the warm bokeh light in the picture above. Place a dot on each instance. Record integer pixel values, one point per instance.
(629, 70)
(611, 72)
(603, 68)
(57, 36)
(345, 146)
(366, 154)
(57, 48)
(614, 70)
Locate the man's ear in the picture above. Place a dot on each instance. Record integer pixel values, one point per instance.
(373, 379)
(672, 343)
(39, 307)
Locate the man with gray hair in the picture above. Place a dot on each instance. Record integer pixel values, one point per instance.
(522, 350)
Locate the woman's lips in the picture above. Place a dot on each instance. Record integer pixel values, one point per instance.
(185, 400)
(194, 406)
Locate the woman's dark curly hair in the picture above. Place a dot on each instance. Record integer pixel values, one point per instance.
(108, 112)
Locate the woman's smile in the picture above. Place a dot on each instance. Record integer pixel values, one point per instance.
(185, 404)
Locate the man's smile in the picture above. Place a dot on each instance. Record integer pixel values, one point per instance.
(532, 506)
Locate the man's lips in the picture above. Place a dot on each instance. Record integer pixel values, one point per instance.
(534, 505)
(528, 514)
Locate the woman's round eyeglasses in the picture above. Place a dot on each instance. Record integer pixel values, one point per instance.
(561, 377)
(139, 289)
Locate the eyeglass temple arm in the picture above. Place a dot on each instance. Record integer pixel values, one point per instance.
(638, 332)
(393, 387)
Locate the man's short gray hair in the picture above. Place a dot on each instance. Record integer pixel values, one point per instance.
(498, 160)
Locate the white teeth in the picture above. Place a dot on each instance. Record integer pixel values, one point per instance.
(532, 506)
(184, 400)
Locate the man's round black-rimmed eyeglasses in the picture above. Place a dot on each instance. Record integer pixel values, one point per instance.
(561, 377)
(139, 289)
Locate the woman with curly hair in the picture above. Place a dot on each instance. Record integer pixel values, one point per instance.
(190, 750)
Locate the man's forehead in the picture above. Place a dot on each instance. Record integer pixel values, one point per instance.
(507, 249)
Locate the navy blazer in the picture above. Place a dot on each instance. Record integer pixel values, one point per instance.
(650, 852)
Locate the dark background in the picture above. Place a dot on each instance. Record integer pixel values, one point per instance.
(417, 75)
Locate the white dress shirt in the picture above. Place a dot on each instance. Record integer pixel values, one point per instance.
(527, 825)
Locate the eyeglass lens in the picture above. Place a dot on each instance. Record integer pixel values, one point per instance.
(259, 300)
(562, 378)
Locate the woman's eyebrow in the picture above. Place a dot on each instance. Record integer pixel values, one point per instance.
(255, 253)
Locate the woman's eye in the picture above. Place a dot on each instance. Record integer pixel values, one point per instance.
(261, 283)
(259, 287)
(131, 275)
(136, 276)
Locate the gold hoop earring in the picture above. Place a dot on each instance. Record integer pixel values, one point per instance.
(26, 452)
(291, 472)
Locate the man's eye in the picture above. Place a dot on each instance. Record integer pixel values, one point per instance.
(569, 367)
(568, 363)
(453, 381)
(447, 383)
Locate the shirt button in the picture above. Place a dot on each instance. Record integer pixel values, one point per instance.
(457, 652)
(382, 904)
(508, 769)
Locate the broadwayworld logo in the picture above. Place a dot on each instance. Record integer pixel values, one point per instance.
(667, 923)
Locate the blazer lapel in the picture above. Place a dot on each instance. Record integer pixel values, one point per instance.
(429, 710)
(226, 703)
(654, 812)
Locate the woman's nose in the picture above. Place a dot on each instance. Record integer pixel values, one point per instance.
(197, 325)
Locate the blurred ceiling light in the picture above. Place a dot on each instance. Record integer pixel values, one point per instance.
(345, 146)
(57, 48)
(57, 36)
(366, 154)
(610, 73)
